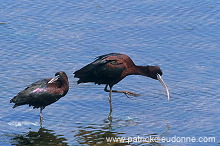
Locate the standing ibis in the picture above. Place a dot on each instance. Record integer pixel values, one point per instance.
(111, 68)
(43, 92)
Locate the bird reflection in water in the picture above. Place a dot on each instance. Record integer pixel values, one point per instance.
(97, 134)
(41, 137)
(100, 134)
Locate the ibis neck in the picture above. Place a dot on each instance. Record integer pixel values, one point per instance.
(140, 70)
(65, 85)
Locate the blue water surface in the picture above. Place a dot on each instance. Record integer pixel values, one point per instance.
(39, 38)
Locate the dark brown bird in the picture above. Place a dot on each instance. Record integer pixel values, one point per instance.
(43, 92)
(111, 68)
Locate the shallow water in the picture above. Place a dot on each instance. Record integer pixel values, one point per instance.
(39, 38)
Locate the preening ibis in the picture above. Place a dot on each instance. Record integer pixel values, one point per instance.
(43, 92)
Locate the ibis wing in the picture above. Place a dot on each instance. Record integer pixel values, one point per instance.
(102, 57)
(89, 72)
(25, 96)
(102, 71)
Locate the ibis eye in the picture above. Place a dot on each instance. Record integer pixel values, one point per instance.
(57, 74)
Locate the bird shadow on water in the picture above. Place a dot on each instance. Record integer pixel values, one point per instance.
(41, 137)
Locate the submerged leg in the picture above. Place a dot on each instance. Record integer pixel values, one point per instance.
(125, 92)
(41, 116)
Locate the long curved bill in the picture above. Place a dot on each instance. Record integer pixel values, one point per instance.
(164, 85)
(54, 79)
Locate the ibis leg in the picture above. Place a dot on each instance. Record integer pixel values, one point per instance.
(110, 99)
(125, 92)
(41, 116)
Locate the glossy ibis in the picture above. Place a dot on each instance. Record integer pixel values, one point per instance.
(43, 92)
(111, 68)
